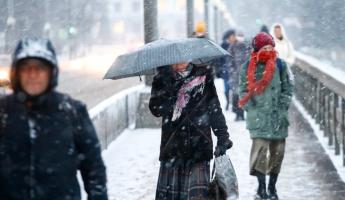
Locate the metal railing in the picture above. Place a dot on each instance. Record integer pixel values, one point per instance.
(322, 93)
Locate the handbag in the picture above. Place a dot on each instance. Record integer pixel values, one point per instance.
(215, 192)
(224, 185)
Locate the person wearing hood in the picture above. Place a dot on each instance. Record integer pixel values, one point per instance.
(46, 137)
(283, 45)
(265, 94)
(185, 97)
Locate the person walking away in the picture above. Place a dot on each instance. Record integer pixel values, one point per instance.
(222, 68)
(239, 52)
(265, 94)
(46, 136)
(283, 45)
(184, 95)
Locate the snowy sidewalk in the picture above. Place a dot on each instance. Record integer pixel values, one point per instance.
(307, 173)
(132, 165)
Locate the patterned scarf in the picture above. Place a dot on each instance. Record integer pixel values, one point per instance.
(188, 89)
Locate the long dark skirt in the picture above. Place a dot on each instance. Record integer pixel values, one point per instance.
(183, 181)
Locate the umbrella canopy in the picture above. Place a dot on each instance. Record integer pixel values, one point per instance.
(164, 52)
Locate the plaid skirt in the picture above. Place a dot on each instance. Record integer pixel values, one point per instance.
(183, 180)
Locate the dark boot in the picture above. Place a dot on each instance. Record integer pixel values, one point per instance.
(261, 193)
(241, 113)
(239, 118)
(272, 191)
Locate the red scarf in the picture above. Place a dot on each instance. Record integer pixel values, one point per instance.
(257, 87)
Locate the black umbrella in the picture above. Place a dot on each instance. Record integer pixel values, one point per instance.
(162, 53)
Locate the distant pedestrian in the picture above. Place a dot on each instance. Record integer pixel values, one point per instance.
(283, 46)
(239, 53)
(184, 95)
(241, 37)
(46, 137)
(200, 30)
(222, 67)
(265, 94)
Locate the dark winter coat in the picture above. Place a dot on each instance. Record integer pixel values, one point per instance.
(42, 148)
(188, 137)
(222, 70)
(239, 53)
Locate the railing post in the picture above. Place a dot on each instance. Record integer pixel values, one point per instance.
(322, 108)
(315, 104)
(305, 88)
(343, 126)
(335, 122)
(329, 115)
(297, 81)
(318, 102)
(311, 97)
(326, 116)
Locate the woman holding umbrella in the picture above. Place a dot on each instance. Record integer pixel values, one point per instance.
(184, 95)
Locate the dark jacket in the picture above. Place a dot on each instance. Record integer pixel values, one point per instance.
(239, 53)
(188, 137)
(42, 148)
(222, 70)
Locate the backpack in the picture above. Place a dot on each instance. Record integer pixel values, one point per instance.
(280, 67)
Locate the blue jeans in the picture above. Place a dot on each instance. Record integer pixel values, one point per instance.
(227, 88)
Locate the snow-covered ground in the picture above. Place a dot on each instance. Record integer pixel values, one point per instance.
(132, 165)
(307, 173)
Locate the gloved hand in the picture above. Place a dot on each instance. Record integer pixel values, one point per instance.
(222, 148)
